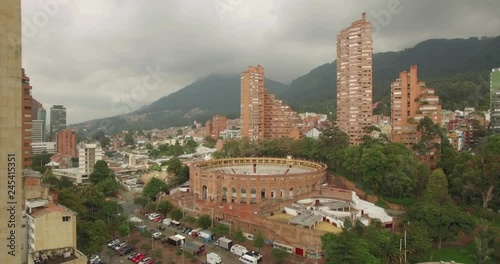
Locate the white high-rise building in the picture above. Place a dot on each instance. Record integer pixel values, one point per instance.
(88, 155)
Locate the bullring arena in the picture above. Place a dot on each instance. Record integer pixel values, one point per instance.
(254, 180)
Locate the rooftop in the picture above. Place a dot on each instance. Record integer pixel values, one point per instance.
(305, 219)
(260, 169)
(48, 208)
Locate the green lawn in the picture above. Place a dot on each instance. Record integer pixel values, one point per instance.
(458, 254)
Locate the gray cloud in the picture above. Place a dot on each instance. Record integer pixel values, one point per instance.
(89, 55)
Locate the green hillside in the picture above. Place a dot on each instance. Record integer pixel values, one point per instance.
(457, 68)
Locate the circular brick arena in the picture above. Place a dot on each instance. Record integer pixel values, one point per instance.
(253, 180)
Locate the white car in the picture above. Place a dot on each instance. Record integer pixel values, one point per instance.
(113, 243)
(144, 261)
(117, 247)
(153, 216)
(157, 235)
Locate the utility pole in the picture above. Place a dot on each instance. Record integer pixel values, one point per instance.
(408, 223)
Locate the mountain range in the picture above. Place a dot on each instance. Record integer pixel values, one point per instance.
(457, 68)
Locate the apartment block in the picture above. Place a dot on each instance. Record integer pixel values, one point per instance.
(217, 124)
(66, 143)
(494, 125)
(411, 101)
(354, 79)
(262, 114)
(88, 154)
(27, 118)
(57, 120)
(11, 132)
(46, 222)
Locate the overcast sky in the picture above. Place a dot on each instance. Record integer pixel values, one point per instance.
(102, 57)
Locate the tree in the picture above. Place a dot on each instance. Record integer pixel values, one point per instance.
(347, 247)
(437, 211)
(142, 201)
(153, 188)
(209, 142)
(100, 172)
(155, 167)
(92, 198)
(176, 214)
(174, 166)
(221, 230)
(489, 158)
(484, 242)
(129, 138)
(258, 240)
(190, 146)
(239, 236)
(204, 221)
(108, 186)
(164, 207)
(279, 255)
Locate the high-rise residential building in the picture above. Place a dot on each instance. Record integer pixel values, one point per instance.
(35, 107)
(42, 116)
(262, 114)
(354, 79)
(89, 154)
(66, 143)
(27, 118)
(36, 131)
(214, 126)
(57, 120)
(411, 101)
(495, 100)
(11, 133)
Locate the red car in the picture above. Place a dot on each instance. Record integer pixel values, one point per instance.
(138, 258)
(158, 219)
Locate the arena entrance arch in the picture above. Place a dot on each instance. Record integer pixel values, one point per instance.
(204, 192)
(263, 194)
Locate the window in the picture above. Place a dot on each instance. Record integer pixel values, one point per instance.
(66, 218)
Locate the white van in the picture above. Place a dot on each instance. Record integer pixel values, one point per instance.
(213, 258)
(248, 259)
(167, 221)
(238, 250)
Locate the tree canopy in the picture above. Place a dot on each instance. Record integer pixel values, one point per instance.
(153, 188)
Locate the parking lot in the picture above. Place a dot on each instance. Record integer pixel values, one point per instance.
(168, 254)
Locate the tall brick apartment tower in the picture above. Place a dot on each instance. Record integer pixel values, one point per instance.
(27, 119)
(214, 126)
(262, 114)
(66, 143)
(410, 102)
(354, 79)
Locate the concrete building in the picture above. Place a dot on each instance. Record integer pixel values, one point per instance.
(230, 134)
(411, 101)
(214, 126)
(66, 143)
(27, 118)
(57, 120)
(88, 155)
(48, 147)
(262, 114)
(46, 222)
(495, 100)
(42, 115)
(11, 132)
(36, 131)
(354, 79)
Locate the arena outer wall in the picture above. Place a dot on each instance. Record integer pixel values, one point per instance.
(214, 181)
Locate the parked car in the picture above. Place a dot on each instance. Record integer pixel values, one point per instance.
(113, 243)
(132, 255)
(158, 219)
(120, 246)
(153, 216)
(145, 260)
(157, 235)
(138, 258)
(127, 249)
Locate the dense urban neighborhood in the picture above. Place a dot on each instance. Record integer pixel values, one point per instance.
(388, 157)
